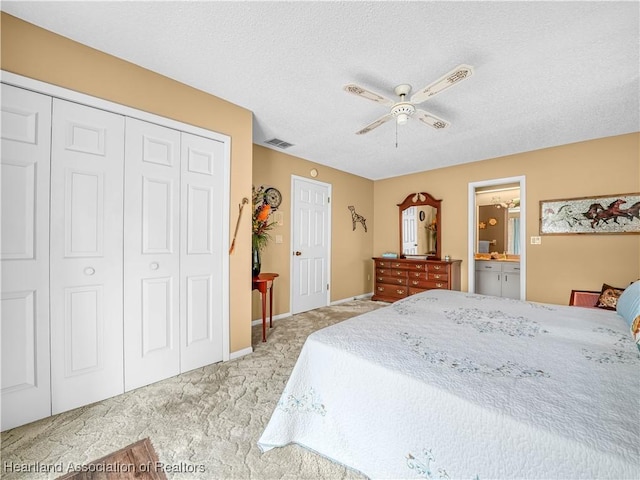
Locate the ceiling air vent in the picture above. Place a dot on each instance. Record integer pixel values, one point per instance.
(276, 142)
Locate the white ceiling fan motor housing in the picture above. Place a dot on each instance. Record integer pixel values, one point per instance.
(402, 111)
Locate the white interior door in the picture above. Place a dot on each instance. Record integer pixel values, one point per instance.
(201, 250)
(24, 254)
(310, 242)
(86, 255)
(151, 253)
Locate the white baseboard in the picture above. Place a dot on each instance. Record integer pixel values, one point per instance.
(275, 317)
(365, 296)
(240, 353)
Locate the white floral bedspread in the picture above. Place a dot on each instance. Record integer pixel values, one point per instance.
(454, 385)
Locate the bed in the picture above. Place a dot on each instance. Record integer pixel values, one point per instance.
(448, 384)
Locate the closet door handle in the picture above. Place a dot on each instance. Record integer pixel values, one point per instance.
(89, 271)
(154, 265)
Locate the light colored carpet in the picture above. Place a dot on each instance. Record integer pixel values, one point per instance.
(204, 424)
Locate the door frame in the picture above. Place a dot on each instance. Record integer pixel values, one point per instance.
(329, 224)
(95, 102)
(473, 221)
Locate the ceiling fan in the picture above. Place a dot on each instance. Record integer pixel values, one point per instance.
(404, 109)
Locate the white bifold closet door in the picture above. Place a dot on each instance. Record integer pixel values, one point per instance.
(152, 253)
(24, 256)
(173, 189)
(87, 159)
(201, 253)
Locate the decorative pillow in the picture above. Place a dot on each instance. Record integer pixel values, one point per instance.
(629, 308)
(608, 298)
(635, 331)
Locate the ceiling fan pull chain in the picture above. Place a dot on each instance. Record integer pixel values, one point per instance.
(396, 134)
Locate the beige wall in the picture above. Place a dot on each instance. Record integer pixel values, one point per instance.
(42, 55)
(599, 167)
(606, 166)
(350, 250)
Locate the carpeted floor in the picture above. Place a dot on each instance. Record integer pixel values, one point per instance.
(204, 424)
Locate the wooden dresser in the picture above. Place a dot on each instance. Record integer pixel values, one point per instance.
(397, 278)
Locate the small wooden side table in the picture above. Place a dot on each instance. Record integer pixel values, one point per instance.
(262, 283)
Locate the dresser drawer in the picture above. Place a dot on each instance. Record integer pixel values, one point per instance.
(418, 283)
(414, 266)
(383, 263)
(440, 277)
(413, 291)
(437, 268)
(391, 290)
(392, 280)
(433, 285)
(415, 275)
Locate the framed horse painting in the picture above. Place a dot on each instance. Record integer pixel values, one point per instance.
(601, 214)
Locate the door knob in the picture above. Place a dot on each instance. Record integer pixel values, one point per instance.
(154, 265)
(297, 253)
(89, 271)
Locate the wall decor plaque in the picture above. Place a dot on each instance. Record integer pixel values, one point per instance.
(598, 214)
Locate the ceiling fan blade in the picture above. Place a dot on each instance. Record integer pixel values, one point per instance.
(456, 75)
(368, 94)
(431, 120)
(377, 123)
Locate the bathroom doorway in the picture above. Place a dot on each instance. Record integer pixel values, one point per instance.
(497, 227)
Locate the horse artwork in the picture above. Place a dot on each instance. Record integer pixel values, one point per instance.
(601, 214)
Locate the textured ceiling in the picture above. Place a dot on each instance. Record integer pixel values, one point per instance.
(545, 73)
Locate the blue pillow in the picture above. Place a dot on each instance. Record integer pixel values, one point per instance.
(628, 307)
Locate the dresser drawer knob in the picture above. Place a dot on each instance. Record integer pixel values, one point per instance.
(437, 267)
(439, 285)
(437, 275)
(419, 266)
(400, 292)
(415, 282)
(381, 289)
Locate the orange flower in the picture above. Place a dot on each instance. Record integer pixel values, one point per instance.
(260, 220)
(264, 213)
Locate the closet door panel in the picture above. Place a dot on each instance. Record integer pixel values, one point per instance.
(87, 155)
(24, 256)
(200, 258)
(152, 255)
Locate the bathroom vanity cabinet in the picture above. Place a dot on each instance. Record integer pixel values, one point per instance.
(498, 278)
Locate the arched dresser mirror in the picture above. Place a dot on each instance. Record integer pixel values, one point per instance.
(420, 226)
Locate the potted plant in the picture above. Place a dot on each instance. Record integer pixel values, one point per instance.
(260, 227)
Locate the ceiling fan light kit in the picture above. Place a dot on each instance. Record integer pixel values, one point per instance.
(403, 110)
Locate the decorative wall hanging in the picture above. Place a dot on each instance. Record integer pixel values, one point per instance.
(245, 200)
(600, 214)
(356, 218)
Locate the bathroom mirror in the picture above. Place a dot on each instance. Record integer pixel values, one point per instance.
(498, 216)
(420, 226)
